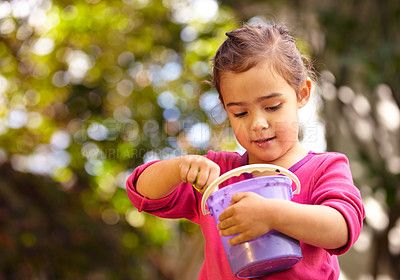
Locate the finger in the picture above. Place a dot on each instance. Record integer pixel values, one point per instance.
(229, 231)
(184, 170)
(213, 175)
(238, 239)
(226, 223)
(192, 175)
(201, 177)
(198, 182)
(228, 212)
(237, 197)
(197, 177)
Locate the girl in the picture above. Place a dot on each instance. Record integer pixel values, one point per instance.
(262, 82)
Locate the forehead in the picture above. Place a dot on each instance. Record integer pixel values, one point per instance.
(261, 67)
(257, 81)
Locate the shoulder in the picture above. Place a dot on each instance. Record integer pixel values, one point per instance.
(328, 158)
(329, 155)
(330, 166)
(334, 164)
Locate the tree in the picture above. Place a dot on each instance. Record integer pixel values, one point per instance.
(88, 91)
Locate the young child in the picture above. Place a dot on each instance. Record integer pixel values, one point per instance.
(262, 82)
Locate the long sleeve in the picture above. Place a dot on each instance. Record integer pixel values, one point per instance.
(333, 187)
(181, 203)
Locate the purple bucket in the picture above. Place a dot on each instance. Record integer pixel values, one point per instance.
(271, 252)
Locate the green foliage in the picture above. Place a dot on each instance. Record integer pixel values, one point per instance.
(79, 109)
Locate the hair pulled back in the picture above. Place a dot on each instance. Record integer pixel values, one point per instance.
(254, 44)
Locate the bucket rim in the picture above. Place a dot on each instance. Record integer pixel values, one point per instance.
(288, 182)
(247, 169)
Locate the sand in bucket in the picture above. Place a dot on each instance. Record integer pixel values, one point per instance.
(271, 252)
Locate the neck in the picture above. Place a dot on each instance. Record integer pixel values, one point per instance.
(291, 157)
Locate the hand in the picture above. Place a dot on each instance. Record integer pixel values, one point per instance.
(248, 215)
(198, 171)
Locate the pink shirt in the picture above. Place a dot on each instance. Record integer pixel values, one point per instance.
(325, 180)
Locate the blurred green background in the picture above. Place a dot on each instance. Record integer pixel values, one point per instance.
(91, 89)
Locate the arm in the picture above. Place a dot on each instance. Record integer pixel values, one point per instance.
(161, 178)
(331, 216)
(317, 225)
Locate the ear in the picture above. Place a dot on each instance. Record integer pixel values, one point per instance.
(304, 93)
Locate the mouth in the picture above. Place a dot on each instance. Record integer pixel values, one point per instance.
(264, 140)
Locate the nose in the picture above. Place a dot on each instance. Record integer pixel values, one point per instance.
(259, 123)
(259, 126)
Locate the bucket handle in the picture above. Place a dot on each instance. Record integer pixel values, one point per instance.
(247, 169)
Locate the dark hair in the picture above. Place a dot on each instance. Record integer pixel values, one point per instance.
(252, 44)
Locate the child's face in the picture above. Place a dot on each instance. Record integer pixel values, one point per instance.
(262, 108)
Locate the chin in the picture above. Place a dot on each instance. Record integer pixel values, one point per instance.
(262, 159)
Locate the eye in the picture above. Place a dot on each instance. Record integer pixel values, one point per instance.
(273, 108)
(240, 115)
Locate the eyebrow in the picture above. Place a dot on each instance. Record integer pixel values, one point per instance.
(260, 99)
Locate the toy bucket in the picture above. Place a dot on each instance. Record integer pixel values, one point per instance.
(271, 252)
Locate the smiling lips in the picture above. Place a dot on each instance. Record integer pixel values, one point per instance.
(264, 141)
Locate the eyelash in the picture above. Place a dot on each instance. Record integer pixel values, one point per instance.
(240, 115)
(273, 108)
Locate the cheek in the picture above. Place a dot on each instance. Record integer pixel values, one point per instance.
(287, 121)
(287, 130)
(239, 129)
